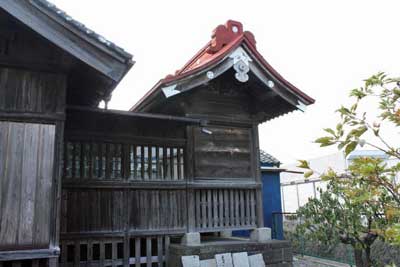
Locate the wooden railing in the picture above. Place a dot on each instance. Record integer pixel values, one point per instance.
(116, 161)
(225, 209)
(134, 251)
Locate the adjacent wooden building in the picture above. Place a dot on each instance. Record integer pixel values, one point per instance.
(83, 186)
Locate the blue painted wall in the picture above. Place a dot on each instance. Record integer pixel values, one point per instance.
(272, 202)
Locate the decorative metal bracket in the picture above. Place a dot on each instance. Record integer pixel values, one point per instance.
(241, 64)
(170, 91)
(301, 106)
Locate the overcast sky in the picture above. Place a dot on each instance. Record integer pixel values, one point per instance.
(325, 48)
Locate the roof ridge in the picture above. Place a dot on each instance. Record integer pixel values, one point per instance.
(81, 27)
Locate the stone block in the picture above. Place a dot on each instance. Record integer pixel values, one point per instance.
(240, 259)
(256, 260)
(191, 261)
(261, 235)
(224, 260)
(191, 239)
(208, 263)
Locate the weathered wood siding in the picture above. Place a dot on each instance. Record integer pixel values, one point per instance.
(31, 92)
(105, 210)
(225, 153)
(26, 171)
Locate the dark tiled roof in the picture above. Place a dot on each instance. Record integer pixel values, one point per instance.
(268, 159)
(82, 28)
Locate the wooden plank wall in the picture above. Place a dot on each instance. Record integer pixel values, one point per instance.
(26, 169)
(225, 153)
(104, 210)
(31, 92)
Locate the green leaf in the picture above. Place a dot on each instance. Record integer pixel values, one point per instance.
(303, 164)
(325, 141)
(308, 174)
(329, 130)
(350, 148)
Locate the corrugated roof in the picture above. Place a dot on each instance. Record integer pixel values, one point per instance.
(81, 27)
(268, 159)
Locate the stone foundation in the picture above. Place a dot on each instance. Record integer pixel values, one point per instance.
(276, 253)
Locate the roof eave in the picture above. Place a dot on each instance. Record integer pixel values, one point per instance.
(106, 61)
(261, 62)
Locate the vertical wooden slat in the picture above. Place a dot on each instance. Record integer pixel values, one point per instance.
(221, 208)
(91, 160)
(232, 208)
(203, 208)
(114, 245)
(77, 251)
(102, 252)
(160, 250)
(90, 252)
(209, 208)
(158, 176)
(237, 215)
(183, 164)
(28, 183)
(127, 161)
(142, 162)
(148, 252)
(242, 209)
(73, 170)
(198, 208)
(137, 252)
(126, 250)
(108, 162)
(82, 159)
(252, 207)
(165, 164)
(172, 164)
(150, 162)
(100, 154)
(166, 249)
(179, 163)
(135, 163)
(215, 207)
(226, 208)
(248, 214)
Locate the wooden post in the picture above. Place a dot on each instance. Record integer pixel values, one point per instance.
(257, 173)
(189, 175)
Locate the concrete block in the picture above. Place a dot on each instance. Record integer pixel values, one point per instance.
(240, 259)
(226, 233)
(191, 239)
(261, 235)
(256, 260)
(224, 260)
(208, 263)
(191, 261)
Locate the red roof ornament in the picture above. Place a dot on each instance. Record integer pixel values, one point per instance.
(225, 34)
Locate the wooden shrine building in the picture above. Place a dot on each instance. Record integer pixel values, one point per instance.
(83, 186)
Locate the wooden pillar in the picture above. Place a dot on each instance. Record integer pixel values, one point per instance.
(257, 175)
(189, 176)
